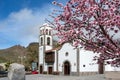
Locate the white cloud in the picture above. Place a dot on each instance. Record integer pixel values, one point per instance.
(23, 26)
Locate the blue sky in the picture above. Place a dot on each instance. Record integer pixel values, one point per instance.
(20, 20)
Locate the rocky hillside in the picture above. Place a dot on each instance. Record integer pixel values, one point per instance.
(12, 54)
(18, 52)
(32, 53)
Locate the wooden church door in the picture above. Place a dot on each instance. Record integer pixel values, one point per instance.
(66, 68)
(50, 69)
(41, 69)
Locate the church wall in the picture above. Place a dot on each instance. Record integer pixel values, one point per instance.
(40, 55)
(50, 41)
(45, 67)
(86, 61)
(110, 68)
(48, 47)
(71, 57)
(55, 63)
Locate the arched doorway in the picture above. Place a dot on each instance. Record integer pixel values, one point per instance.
(41, 69)
(50, 70)
(66, 68)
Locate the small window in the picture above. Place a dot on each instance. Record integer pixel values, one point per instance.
(48, 41)
(83, 65)
(66, 54)
(41, 41)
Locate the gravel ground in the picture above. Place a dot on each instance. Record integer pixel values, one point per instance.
(53, 77)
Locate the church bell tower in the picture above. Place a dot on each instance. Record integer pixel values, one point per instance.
(45, 43)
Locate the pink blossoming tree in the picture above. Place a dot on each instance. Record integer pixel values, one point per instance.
(94, 24)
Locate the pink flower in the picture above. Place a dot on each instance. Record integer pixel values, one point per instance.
(90, 25)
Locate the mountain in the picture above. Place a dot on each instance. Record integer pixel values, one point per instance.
(12, 54)
(32, 52)
(21, 54)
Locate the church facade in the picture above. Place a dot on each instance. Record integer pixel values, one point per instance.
(66, 60)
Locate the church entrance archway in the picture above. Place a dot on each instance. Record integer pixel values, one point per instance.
(41, 69)
(66, 68)
(50, 69)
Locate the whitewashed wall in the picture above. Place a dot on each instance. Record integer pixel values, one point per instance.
(111, 68)
(45, 67)
(55, 63)
(86, 61)
(41, 55)
(71, 57)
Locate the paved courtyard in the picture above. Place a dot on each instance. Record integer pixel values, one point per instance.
(53, 77)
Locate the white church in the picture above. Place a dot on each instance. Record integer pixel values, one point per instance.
(66, 60)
